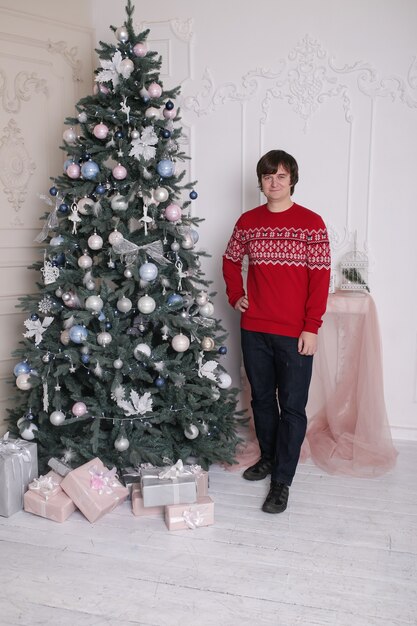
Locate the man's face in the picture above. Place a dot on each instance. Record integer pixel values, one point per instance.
(277, 187)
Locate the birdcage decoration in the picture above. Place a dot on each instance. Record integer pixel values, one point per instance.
(354, 269)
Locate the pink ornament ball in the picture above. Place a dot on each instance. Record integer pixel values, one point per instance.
(79, 409)
(119, 172)
(140, 50)
(172, 213)
(73, 170)
(103, 89)
(169, 114)
(100, 131)
(154, 90)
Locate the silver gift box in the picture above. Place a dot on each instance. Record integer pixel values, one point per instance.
(18, 468)
(159, 492)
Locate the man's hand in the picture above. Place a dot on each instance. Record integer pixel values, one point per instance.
(242, 304)
(307, 343)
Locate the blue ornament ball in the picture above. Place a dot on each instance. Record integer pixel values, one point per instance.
(148, 271)
(21, 368)
(53, 191)
(193, 195)
(118, 134)
(159, 382)
(34, 317)
(78, 333)
(166, 134)
(85, 358)
(89, 170)
(169, 105)
(165, 168)
(59, 260)
(222, 350)
(100, 189)
(108, 325)
(174, 299)
(101, 317)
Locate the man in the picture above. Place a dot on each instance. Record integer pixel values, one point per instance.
(282, 308)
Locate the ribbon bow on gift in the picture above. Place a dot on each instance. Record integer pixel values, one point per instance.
(14, 446)
(46, 486)
(192, 519)
(103, 481)
(174, 471)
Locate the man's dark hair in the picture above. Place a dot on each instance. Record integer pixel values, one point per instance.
(269, 163)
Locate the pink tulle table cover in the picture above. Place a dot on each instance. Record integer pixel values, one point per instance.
(348, 430)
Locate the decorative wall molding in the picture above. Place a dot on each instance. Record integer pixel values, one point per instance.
(16, 167)
(69, 56)
(182, 29)
(24, 86)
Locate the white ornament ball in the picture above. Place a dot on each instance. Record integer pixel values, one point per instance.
(215, 393)
(128, 273)
(202, 298)
(124, 305)
(126, 67)
(91, 285)
(207, 343)
(180, 343)
(64, 337)
(224, 381)
(152, 113)
(29, 432)
(94, 304)
(146, 304)
(82, 117)
(187, 243)
(57, 418)
(104, 339)
(85, 261)
(207, 309)
(122, 34)
(160, 194)
(135, 134)
(23, 382)
(69, 135)
(140, 350)
(84, 205)
(191, 432)
(121, 444)
(115, 237)
(118, 364)
(175, 246)
(95, 242)
(119, 203)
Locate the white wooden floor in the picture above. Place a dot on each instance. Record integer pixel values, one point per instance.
(343, 554)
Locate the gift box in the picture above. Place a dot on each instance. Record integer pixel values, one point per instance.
(201, 479)
(157, 492)
(139, 509)
(201, 513)
(18, 467)
(130, 476)
(46, 498)
(59, 467)
(94, 489)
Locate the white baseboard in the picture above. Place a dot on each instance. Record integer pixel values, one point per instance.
(404, 434)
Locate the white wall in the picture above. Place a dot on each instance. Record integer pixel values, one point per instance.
(335, 84)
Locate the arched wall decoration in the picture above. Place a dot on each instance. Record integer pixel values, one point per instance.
(24, 85)
(16, 167)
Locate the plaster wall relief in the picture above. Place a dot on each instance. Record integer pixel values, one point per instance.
(45, 67)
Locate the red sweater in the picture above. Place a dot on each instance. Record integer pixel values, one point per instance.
(289, 270)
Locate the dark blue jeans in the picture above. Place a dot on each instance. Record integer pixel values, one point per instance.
(280, 379)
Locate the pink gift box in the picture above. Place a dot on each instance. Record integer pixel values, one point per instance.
(179, 516)
(137, 504)
(201, 480)
(94, 489)
(57, 507)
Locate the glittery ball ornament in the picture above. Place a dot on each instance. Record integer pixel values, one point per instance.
(89, 170)
(140, 50)
(79, 409)
(180, 343)
(119, 172)
(154, 90)
(172, 212)
(146, 305)
(148, 271)
(73, 171)
(165, 168)
(100, 131)
(78, 333)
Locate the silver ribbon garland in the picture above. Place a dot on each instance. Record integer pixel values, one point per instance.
(129, 251)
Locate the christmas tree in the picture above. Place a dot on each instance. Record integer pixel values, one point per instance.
(121, 356)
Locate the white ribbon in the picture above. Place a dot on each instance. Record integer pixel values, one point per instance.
(174, 471)
(46, 486)
(192, 519)
(13, 446)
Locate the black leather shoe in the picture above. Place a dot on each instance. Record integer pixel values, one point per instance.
(277, 498)
(259, 471)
